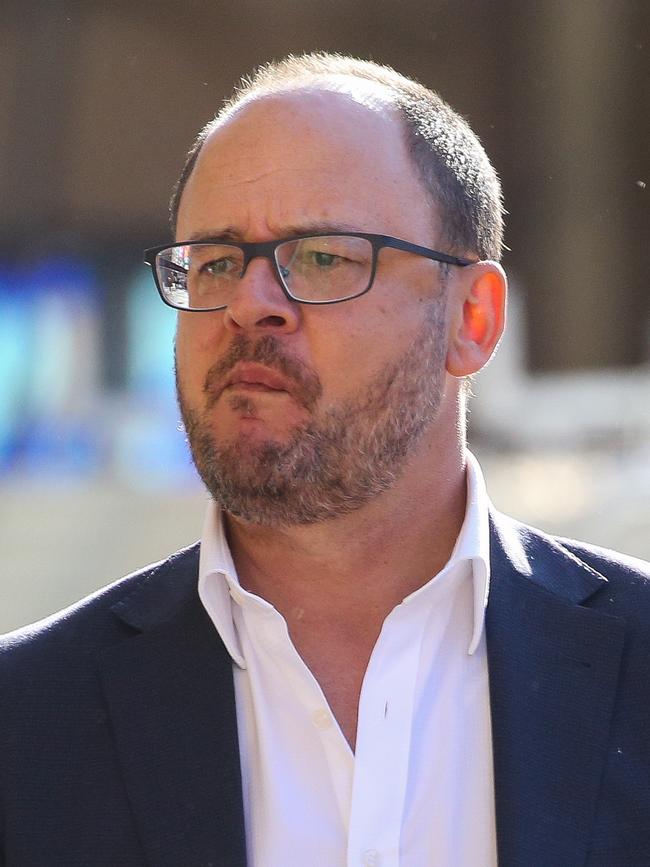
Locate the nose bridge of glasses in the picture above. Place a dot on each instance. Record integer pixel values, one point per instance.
(262, 250)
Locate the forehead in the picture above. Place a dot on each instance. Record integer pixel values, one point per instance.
(306, 155)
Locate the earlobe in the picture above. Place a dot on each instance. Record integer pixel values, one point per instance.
(478, 318)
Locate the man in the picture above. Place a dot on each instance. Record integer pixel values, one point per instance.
(310, 686)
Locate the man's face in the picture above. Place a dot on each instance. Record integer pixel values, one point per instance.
(295, 413)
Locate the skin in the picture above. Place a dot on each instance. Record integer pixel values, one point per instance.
(290, 164)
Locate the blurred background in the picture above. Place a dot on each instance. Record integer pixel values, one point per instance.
(98, 105)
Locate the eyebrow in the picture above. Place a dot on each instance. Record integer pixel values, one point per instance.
(229, 233)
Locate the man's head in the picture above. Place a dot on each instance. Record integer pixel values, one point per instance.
(294, 413)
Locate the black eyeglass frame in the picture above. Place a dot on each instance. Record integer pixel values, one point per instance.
(266, 250)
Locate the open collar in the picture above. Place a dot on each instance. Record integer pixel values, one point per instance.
(218, 579)
(553, 664)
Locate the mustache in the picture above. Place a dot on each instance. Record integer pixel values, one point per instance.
(304, 383)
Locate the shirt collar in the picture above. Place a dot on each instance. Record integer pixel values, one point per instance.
(473, 544)
(218, 577)
(217, 574)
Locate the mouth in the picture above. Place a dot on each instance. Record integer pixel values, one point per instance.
(256, 377)
(251, 386)
(263, 369)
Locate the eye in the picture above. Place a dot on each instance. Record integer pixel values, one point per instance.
(335, 250)
(312, 264)
(325, 253)
(323, 259)
(221, 267)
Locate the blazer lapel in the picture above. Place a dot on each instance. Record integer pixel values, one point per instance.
(553, 666)
(170, 694)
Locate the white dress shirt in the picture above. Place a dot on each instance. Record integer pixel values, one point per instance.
(419, 790)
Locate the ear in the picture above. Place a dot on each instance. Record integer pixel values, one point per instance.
(477, 317)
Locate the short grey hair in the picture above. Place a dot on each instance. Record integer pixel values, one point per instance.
(450, 159)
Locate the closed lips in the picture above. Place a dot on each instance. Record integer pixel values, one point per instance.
(257, 376)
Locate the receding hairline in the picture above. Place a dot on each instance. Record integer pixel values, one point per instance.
(376, 104)
(374, 96)
(370, 94)
(342, 123)
(458, 178)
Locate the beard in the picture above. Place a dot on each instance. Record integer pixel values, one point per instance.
(342, 457)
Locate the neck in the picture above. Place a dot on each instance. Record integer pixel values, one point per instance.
(367, 561)
(336, 582)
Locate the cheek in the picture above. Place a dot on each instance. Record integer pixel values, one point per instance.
(352, 350)
(195, 350)
(199, 332)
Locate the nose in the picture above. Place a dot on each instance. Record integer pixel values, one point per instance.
(260, 303)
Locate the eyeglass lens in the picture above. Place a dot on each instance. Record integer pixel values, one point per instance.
(316, 270)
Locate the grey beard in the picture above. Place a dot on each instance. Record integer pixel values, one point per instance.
(342, 457)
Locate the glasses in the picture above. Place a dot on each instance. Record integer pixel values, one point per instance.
(318, 269)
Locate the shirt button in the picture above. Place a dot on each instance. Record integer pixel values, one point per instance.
(321, 719)
(371, 858)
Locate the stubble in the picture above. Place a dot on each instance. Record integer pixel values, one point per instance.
(342, 457)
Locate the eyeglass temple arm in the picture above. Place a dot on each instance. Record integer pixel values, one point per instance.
(397, 244)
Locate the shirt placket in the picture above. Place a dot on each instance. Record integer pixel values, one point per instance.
(268, 634)
(383, 741)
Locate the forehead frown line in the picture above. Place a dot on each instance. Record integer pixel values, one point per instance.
(231, 233)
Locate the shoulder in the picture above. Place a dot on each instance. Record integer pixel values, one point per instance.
(98, 619)
(627, 588)
(582, 572)
(607, 561)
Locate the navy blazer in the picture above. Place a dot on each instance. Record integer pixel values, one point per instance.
(118, 732)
